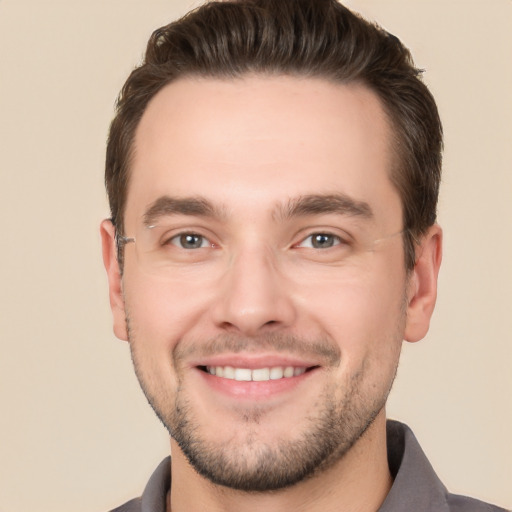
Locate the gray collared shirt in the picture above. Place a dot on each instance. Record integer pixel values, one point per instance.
(416, 487)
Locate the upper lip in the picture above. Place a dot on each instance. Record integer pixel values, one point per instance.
(254, 361)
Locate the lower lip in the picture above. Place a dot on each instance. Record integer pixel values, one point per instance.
(254, 390)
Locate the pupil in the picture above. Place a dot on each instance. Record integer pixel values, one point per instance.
(191, 241)
(322, 241)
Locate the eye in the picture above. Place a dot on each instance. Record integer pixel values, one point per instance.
(320, 241)
(190, 241)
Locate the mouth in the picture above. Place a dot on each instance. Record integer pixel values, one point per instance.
(256, 374)
(255, 377)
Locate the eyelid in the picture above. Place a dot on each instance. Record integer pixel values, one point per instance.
(176, 238)
(171, 233)
(336, 241)
(342, 236)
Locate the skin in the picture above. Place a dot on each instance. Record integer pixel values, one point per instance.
(257, 293)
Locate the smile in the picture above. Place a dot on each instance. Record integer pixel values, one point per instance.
(256, 374)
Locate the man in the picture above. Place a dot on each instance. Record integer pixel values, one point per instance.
(273, 172)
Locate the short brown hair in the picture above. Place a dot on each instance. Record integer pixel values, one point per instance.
(313, 38)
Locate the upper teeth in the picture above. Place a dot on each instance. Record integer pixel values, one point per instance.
(258, 374)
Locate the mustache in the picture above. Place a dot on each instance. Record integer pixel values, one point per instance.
(328, 353)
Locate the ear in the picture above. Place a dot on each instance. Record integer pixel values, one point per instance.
(422, 285)
(108, 243)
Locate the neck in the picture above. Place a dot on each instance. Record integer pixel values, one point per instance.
(359, 482)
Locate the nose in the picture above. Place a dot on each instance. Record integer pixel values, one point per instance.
(254, 296)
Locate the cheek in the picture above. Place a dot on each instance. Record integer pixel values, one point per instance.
(160, 313)
(363, 314)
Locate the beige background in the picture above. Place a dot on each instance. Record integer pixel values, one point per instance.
(75, 431)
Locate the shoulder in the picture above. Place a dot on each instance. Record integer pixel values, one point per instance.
(154, 495)
(416, 485)
(465, 504)
(130, 506)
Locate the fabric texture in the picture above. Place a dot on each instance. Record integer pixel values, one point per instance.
(416, 486)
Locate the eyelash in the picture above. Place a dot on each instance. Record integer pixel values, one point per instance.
(180, 236)
(336, 240)
(177, 240)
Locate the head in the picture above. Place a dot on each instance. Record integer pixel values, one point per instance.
(321, 39)
(275, 165)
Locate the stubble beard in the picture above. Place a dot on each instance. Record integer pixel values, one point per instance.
(259, 466)
(254, 465)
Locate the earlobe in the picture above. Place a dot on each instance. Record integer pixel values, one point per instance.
(108, 242)
(422, 286)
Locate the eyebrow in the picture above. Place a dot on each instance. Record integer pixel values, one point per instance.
(167, 205)
(318, 204)
(302, 206)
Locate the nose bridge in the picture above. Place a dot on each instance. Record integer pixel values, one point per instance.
(254, 293)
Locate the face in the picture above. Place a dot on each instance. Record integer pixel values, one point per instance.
(265, 297)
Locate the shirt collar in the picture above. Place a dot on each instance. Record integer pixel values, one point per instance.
(155, 494)
(416, 485)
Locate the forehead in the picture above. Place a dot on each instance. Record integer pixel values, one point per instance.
(259, 140)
